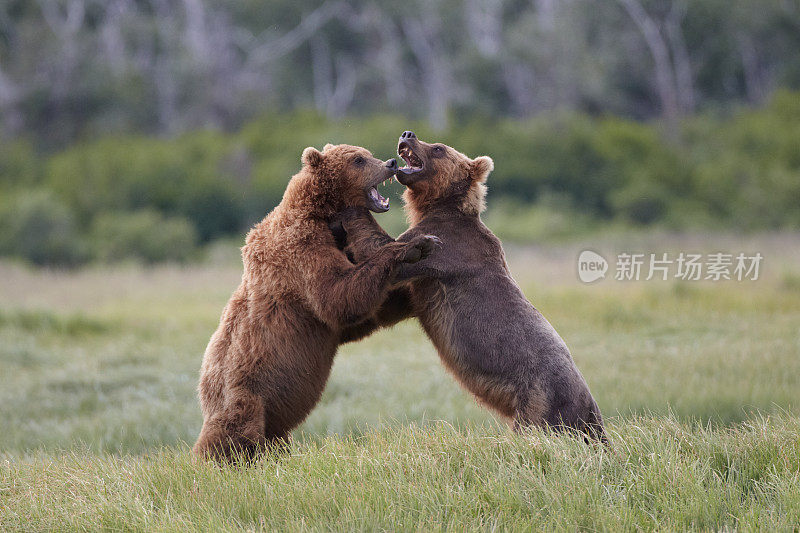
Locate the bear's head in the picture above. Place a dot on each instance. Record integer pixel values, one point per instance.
(438, 175)
(338, 177)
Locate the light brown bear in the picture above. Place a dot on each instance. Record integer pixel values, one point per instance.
(487, 333)
(268, 361)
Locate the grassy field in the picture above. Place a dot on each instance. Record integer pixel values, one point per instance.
(699, 382)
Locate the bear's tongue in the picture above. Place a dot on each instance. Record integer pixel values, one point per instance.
(378, 199)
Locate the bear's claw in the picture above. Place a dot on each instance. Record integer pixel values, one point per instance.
(428, 244)
(420, 248)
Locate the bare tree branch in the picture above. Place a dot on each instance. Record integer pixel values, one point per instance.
(164, 81)
(519, 80)
(291, 40)
(346, 77)
(111, 36)
(65, 24)
(485, 20)
(321, 71)
(546, 10)
(196, 31)
(385, 51)
(684, 78)
(422, 38)
(664, 77)
(8, 90)
(753, 79)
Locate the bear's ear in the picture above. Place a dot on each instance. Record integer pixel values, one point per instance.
(311, 157)
(481, 167)
(327, 147)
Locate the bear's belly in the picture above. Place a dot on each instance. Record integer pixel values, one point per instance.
(486, 327)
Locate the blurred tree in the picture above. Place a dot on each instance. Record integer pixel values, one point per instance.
(40, 229)
(673, 71)
(193, 113)
(72, 69)
(145, 235)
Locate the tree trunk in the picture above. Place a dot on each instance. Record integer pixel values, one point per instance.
(434, 69)
(321, 71)
(684, 78)
(751, 68)
(664, 76)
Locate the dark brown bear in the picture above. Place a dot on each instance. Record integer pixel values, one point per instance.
(266, 365)
(486, 332)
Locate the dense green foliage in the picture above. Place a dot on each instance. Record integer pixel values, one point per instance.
(736, 172)
(38, 227)
(631, 112)
(144, 234)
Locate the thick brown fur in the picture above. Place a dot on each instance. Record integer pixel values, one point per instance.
(267, 363)
(487, 333)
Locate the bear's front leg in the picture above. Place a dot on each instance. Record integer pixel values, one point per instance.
(342, 294)
(358, 234)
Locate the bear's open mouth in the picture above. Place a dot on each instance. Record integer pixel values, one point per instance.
(376, 202)
(413, 162)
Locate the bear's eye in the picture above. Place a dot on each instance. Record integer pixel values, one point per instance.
(438, 150)
(359, 160)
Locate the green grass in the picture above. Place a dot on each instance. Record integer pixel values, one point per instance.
(700, 384)
(663, 474)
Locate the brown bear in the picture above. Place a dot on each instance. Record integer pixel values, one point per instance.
(486, 332)
(267, 363)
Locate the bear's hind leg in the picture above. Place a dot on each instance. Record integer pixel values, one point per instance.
(593, 425)
(580, 418)
(235, 433)
(529, 410)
